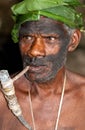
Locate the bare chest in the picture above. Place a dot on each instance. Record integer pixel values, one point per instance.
(67, 122)
(72, 117)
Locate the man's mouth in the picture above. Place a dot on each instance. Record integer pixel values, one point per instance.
(36, 69)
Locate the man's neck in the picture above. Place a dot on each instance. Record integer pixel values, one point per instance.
(49, 88)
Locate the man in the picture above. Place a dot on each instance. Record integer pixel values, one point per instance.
(51, 97)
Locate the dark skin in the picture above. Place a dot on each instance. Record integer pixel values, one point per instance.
(37, 45)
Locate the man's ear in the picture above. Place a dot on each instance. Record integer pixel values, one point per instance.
(75, 39)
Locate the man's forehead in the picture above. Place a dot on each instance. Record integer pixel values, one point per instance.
(44, 25)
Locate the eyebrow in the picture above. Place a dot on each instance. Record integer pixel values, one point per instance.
(43, 35)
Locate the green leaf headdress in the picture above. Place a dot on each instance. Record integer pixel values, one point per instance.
(61, 10)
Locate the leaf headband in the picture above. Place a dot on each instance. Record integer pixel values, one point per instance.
(31, 10)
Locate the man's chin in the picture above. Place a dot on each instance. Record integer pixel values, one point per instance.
(40, 78)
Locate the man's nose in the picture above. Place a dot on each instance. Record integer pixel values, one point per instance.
(38, 48)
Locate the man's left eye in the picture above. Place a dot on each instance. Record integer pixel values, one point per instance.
(51, 38)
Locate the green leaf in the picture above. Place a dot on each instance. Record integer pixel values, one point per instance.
(19, 8)
(33, 5)
(61, 10)
(43, 4)
(68, 16)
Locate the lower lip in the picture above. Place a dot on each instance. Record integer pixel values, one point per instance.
(36, 68)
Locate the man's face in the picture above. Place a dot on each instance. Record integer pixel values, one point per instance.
(43, 46)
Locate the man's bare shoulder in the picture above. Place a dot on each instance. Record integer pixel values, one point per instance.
(77, 78)
(2, 101)
(21, 84)
(77, 81)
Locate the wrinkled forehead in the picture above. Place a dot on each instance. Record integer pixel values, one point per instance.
(43, 26)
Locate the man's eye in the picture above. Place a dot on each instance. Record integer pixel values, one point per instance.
(51, 38)
(28, 37)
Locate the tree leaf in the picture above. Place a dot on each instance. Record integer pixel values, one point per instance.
(33, 5)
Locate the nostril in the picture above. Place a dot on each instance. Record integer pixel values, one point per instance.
(36, 53)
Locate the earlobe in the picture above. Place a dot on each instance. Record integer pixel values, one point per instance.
(75, 39)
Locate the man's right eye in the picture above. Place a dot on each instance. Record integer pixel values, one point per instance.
(27, 37)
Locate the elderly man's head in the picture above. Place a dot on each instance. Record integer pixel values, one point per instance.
(44, 45)
(46, 31)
